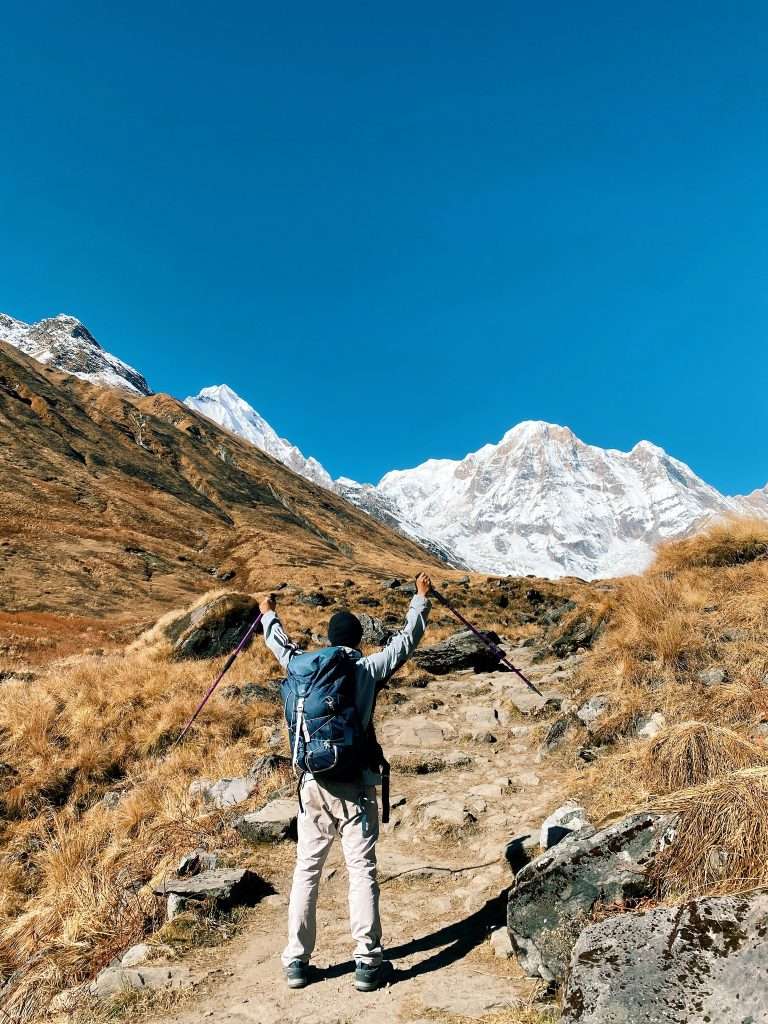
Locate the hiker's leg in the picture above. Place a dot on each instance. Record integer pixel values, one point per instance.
(316, 829)
(359, 831)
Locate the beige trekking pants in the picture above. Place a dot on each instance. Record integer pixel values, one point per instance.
(349, 811)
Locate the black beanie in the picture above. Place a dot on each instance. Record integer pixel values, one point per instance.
(344, 630)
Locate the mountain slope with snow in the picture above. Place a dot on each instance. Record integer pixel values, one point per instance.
(222, 405)
(541, 501)
(63, 343)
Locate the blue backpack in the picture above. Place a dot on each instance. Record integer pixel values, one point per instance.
(320, 712)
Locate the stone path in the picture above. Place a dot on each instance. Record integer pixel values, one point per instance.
(442, 871)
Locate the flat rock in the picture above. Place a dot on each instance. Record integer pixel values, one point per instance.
(113, 981)
(701, 963)
(553, 894)
(274, 822)
(225, 886)
(415, 732)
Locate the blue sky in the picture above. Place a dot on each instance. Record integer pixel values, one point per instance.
(398, 229)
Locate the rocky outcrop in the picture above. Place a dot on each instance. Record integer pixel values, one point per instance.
(374, 630)
(700, 963)
(463, 650)
(213, 628)
(553, 895)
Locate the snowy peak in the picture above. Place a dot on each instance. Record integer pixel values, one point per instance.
(64, 343)
(225, 407)
(541, 501)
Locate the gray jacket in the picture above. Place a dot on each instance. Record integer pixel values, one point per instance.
(371, 670)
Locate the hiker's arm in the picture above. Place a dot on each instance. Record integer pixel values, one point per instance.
(383, 664)
(275, 636)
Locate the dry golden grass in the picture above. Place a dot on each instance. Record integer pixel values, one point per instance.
(721, 844)
(702, 605)
(73, 871)
(731, 542)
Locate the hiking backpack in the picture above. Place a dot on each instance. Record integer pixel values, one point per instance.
(324, 727)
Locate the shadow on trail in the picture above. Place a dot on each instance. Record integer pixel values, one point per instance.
(452, 942)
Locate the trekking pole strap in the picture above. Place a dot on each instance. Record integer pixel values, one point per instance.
(488, 643)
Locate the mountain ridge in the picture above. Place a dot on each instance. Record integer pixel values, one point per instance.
(539, 501)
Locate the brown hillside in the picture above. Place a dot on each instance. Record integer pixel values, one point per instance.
(115, 507)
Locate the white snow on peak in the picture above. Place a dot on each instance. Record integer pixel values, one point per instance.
(64, 343)
(225, 407)
(541, 501)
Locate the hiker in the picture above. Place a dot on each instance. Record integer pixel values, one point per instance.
(329, 807)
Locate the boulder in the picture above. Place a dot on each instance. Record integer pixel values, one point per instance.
(552, 896)
(274, 822)
(374, 630)
(226, 887)
(391, 584)
(213, 628)
(712, 676)
(409, 589)
(113, 981)
(571, 817)
(142, 952)
(463, 650)
(581, 632)
(700, 963)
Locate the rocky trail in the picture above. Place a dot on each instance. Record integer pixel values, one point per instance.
(467, 779)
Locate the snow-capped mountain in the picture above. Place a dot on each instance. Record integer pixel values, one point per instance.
(541, 501)
(63, 343)
(222, 405)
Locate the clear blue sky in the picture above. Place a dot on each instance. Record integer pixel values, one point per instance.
(400, 228)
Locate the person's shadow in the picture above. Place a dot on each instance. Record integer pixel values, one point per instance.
(452, 942)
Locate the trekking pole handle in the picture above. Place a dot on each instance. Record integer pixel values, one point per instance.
(226, 667)
(486, 640)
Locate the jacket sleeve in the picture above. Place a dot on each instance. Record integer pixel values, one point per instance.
(381, 665)
(277, 640)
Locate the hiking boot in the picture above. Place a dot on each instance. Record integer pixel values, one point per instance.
(367, 976)
(296, 974)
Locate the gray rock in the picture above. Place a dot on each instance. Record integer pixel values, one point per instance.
(267, 764)
(571, 817)
(142, 952)
(391, 584)
(552, 896)
(409, 589)
(113, 981)
(463, 650)
(563, 729)
(593, 709)
(699, 963)
(214, 628)
(226, 887)
(195, 862)
(224, 792)
(176, 905)
(374, 630)
(648, 727)
(712, 676)
(316, 599)
(274, 822)
(111, 799)
(501, 944)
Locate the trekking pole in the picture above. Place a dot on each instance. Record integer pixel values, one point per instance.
(209, 693)
(503, 659)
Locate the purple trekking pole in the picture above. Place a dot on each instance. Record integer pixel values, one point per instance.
(227, 666)
(503, 659)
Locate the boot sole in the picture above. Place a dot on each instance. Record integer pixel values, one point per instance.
(297, 982)
(366, 986)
